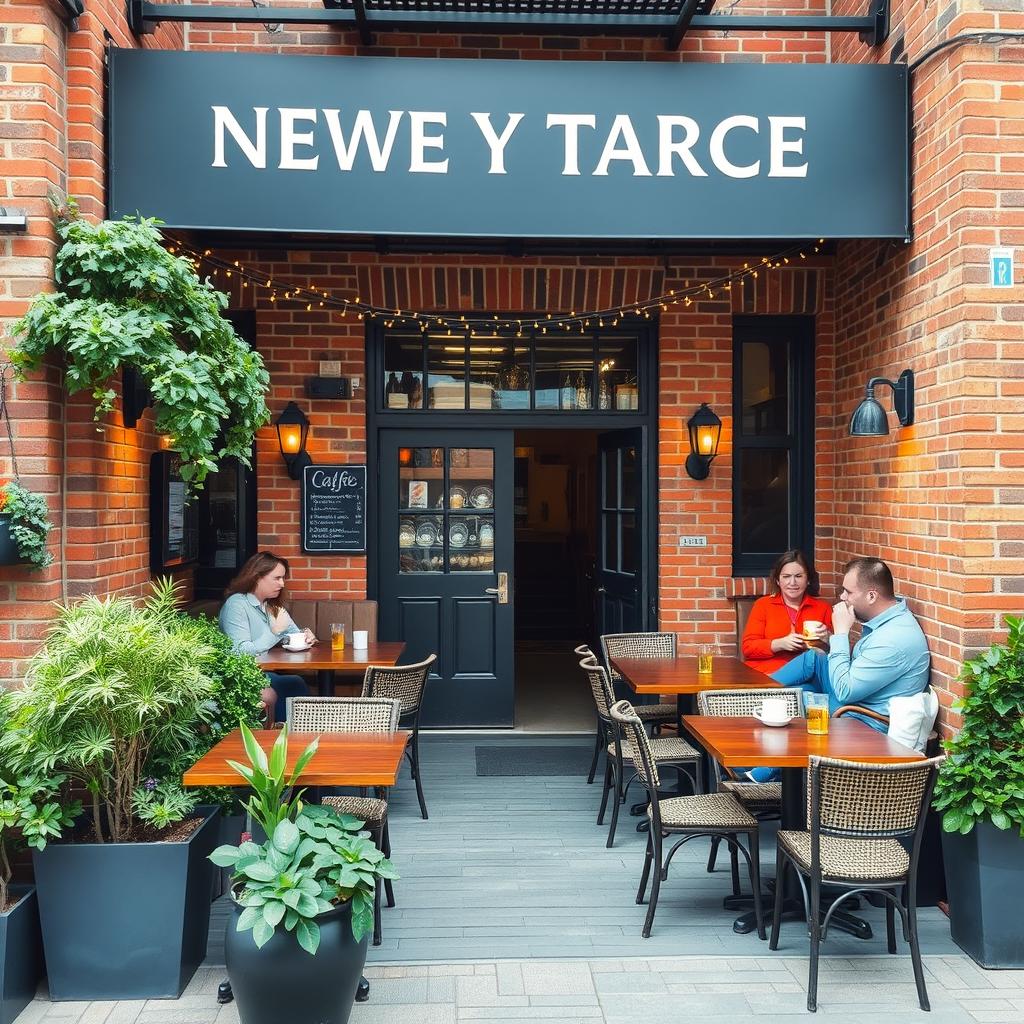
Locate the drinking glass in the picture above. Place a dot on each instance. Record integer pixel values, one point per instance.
(338, 636)
(705, 659)
(816, 706)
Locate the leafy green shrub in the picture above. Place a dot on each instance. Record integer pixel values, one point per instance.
(29, 522)
(116, 686)
(982, 779)
(313, 860)
(123, 300)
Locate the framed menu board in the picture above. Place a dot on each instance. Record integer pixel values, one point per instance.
(334, 509)
(173, 521)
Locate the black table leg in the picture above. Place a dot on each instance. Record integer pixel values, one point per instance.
(363, 991)
(325, 682)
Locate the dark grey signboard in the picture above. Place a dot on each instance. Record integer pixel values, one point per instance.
(334, 509)
(543, 149)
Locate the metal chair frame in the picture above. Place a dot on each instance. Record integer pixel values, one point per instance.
(900, 894)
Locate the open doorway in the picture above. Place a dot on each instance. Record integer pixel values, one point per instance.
(556, 530)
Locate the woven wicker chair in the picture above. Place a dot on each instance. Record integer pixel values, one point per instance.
(354, 714)
(708, 814)
(669, 752)
(406, 684)
(762, 799)
(857, 815)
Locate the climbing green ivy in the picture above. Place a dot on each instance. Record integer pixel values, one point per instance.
(123, 300)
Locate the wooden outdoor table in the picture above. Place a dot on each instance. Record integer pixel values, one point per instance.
(342, 759)
(746, 743)
(679, 675)
(328, 662)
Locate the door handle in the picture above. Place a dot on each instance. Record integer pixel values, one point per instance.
(501, 590)
(600, 590)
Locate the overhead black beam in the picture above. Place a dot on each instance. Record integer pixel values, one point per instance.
(365, 34)
(143, 11)
(679, 29)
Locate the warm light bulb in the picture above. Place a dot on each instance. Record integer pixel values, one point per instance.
(705, 440)
(291, 438)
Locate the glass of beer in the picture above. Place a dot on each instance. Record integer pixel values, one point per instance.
(816, 706)
(705, 659)
(338, 636)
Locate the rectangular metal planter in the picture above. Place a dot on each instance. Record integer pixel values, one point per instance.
(984, 873)
(125, 920)
(9, 554)
(21, 954)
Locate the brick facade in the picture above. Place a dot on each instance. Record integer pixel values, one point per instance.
(938, 500)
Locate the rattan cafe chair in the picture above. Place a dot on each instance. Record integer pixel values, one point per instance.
(354, 714)
(406, 684)
(642, 645)
(600, 730)
(668, 751)
(714, 815)
(762, 799)
(858, 813)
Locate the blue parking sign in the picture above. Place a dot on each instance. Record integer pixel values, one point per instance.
(1001, 264)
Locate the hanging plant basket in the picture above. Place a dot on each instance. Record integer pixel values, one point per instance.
(9, 553)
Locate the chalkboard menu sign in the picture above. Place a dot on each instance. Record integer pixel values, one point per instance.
(334, 508)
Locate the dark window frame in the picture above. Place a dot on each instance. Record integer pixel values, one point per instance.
(799, 441)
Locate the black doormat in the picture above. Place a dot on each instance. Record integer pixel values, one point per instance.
(514, 759)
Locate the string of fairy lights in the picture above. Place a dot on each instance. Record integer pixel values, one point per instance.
(312, 296)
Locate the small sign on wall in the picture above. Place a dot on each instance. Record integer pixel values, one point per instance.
(1001, 267)
(334, 509)
(693, 542)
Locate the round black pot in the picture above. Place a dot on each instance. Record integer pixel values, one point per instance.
(9, 554)
(282, 982)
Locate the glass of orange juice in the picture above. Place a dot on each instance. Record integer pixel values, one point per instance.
(338, 636)
(816, 706)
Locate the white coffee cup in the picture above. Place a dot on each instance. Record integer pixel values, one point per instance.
(360, 639)
(773, 711)
(811, 627)
(296, 641)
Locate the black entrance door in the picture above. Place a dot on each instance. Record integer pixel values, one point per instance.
(621, 576)
(445, 550)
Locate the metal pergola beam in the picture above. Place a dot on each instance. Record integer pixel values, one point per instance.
(143, 14)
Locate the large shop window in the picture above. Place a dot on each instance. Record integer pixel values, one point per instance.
(442, 372)
(773, 440)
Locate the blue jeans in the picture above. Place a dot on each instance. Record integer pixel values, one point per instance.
(285, 686)
(807, 671)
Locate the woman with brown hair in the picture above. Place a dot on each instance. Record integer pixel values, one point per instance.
(255, 618)
(789, 619)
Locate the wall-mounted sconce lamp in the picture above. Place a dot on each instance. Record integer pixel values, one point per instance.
(869, 419)
(292, 430)
(705, 430)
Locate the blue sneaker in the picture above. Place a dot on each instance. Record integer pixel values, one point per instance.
(761, 775)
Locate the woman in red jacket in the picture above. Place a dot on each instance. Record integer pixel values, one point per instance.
(776, 628)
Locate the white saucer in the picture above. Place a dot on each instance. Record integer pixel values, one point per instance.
(774, 725)
(296, 650)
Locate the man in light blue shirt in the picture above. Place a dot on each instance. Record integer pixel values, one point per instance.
(890, 659)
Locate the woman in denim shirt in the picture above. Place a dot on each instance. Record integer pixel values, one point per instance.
(254, 617)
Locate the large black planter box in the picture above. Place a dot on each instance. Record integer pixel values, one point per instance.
(125, 920)
(21, 953)
(9, 554)
(984, 876)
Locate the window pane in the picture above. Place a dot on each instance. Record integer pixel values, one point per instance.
(471, 478)
(764, 500)
(471, 543)
(628, 564)
(420, 544)
(446, 374)
(403, 373)
(565, 374)
(765, 374)
(616, 374)
(611, 540)
(420, 478)
(629, 478)
(485, 361)
(610, 498)
(513, 386)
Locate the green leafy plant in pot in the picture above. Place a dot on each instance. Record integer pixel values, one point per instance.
(30, 815)
(303, 898)
(116, 689)
(980, 793)
(24, 527)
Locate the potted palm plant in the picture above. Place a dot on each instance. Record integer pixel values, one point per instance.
(124, 900)
(30, 815)
(303, 899)
(980, 793)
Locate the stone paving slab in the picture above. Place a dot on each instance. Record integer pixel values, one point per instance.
(700, 990)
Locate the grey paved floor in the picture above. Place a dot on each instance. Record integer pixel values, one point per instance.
(510, 907)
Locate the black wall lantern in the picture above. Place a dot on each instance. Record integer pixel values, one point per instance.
(869, 419)
(705, 431)
(292, 430)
